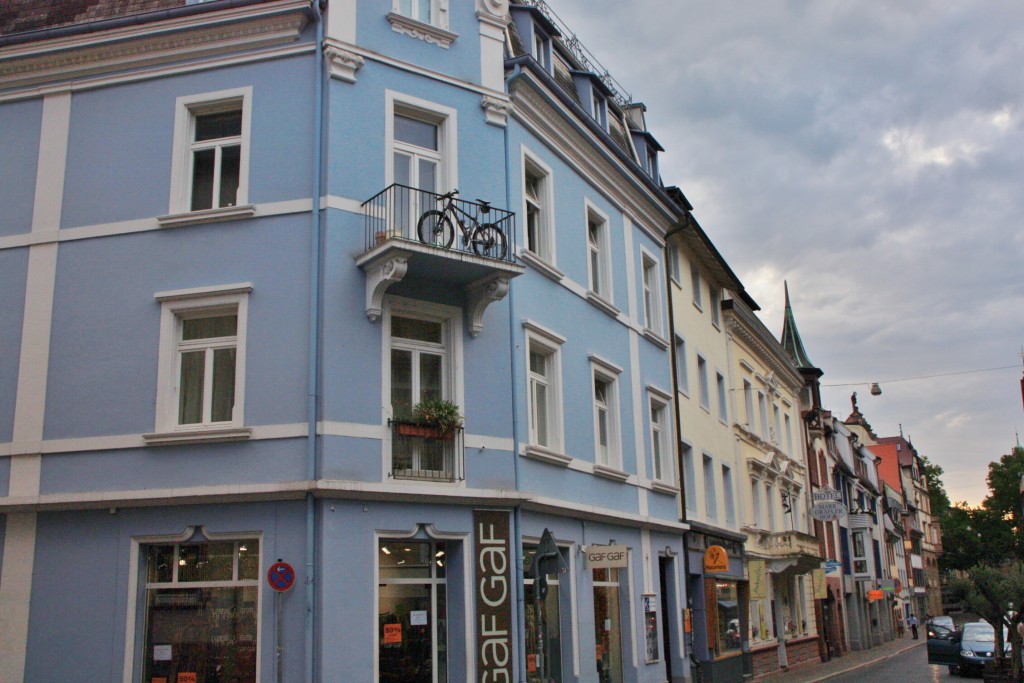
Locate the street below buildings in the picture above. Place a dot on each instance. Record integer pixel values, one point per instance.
(910, 666)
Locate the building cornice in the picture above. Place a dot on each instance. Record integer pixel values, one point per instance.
(203, 36)
(535, 107)
(745, 326)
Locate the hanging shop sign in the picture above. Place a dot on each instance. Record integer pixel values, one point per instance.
(874, 595)
(606, 556)
(758, 584)
(716, 560)
(828, 511)
(827, 494)
(493, 562)
(819, 583)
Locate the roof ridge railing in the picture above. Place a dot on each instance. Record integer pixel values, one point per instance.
(579, 51)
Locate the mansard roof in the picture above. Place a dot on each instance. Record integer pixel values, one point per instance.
(791, 340)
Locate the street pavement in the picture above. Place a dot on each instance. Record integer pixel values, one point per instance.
(899, 661)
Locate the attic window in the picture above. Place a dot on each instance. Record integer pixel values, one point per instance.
(599, 107)
(542, 49)
(651, 162)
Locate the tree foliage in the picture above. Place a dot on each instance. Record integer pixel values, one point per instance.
(936, 491)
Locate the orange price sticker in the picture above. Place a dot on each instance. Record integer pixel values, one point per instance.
(531, 663)
(188, 677)
(392, 633)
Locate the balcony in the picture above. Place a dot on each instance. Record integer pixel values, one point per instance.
(472, 248)
(789, 550)
(424, 454)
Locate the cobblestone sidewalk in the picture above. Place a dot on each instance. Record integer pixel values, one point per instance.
(851, 661)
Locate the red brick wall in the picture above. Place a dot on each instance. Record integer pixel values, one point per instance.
(799, 653)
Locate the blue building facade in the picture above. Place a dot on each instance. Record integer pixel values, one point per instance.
(224, 322)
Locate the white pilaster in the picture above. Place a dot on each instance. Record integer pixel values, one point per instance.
(30, 403)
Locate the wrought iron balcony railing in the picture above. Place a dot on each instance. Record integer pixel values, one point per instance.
(424, 453)
(398, 212)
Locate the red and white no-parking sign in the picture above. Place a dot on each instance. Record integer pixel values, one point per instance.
(281, 576)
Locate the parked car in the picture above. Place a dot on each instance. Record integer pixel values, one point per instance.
(942, 621)
(964, 651)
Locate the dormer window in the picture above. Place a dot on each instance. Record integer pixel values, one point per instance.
(651, 162)
(542, 49)
(593, 95)
(536, 31)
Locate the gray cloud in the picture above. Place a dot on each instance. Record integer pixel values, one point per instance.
(871, 154)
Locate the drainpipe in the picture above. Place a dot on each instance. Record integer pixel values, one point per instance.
(313, 398)
(679, 465)
(517, 512)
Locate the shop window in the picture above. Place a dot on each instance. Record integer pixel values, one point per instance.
(412, 611)
(607, 625)
(201, 611)
(722, 600)
(543, 626)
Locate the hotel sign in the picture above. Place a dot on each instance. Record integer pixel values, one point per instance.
(492, 557)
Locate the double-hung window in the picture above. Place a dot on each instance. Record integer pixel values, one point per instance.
(723, 399)
(710, 498)
(729, 496)
(420, 358)
(651, 295)
(702, 378)
(544, 380)
(661, 464)
(682, 372)
(210, 163)
(762, 411)
(689, 476)
(422, 152)
(538, 209)
(606, 415)
(598, 257)
(748, 403)
(202, 363)
(695, 284)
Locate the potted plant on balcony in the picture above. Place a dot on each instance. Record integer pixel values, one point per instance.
(432, 418)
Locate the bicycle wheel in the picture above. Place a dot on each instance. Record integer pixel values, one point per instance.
(488, 240)
(436, 229)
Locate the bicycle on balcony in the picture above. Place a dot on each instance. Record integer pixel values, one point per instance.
(437, 228)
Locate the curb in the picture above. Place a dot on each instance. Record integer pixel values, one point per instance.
(862, 665)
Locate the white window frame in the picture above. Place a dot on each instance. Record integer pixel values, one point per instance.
(446, 120)
(452, 368)
(769, 503)
(755, 502)
(704, 388)
(438, 12)
(789, 434)
(544, 205)
(651, 286)
(598, 253)
(682, 369)
(728, 495)
(659, 405)
(176, 306)
(710, 497)
(715, 296)
(551, 344)
(689, 475)
(696, 286)
(186, 109)
(723, 398)
(762, 412)
(674, 258)
(606, 373)
(748, 402)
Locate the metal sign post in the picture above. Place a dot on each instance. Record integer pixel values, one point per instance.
(281, 577)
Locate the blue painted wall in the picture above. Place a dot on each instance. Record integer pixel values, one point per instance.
(19, 149)
(13, 269)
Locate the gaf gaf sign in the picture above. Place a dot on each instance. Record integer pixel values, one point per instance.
(606, 556)
(493, 560)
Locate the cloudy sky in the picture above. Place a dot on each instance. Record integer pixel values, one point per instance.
(872, 154)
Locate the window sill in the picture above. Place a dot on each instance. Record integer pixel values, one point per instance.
(655, 338)
(541, 264)
(425, 32)
(610, 473)
(546, 455)
(198, 436)
(603, 304)
(227, 213)
(664, 487)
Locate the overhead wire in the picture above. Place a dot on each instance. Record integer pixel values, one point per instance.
(909, 379)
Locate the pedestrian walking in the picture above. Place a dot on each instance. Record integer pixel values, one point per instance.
(912, 622)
